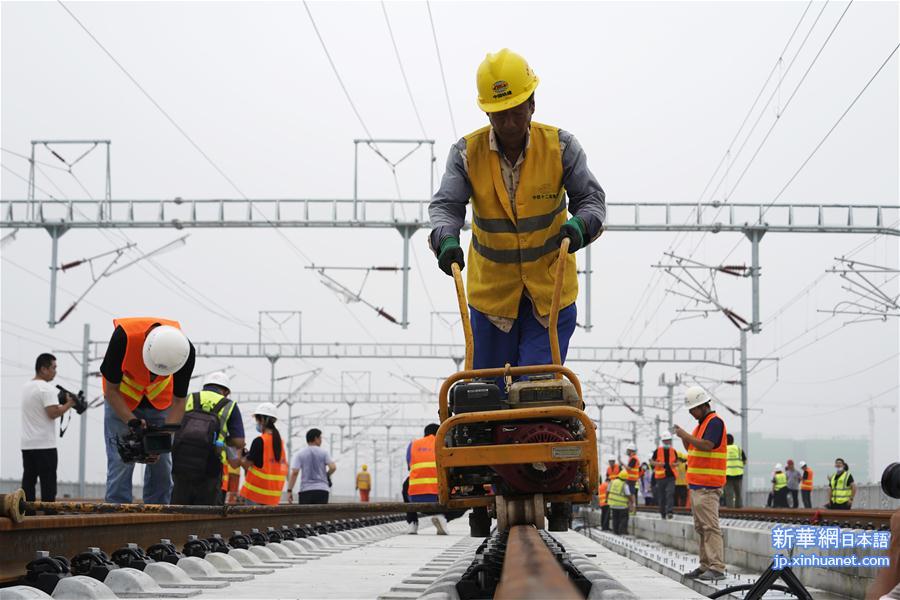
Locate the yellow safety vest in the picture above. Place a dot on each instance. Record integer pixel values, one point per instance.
(840, 490)
(515, 240)
(615, 496)
(363, 480)
(735, 466)
(780, 481)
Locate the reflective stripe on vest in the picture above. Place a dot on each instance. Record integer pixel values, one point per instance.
(515, 240)
(780, 481)
(422, 467)
(707, 468)
(735, 464)
(616, 496)
(227, 472)
(612, 472)
(633, 470)
(602, 491)
(840, 490)
(807, 484)
(136, 381)
(659, 472)
(265, 485)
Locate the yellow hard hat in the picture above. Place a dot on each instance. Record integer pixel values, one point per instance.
(504, 81)
(622, 475)
(364, 467)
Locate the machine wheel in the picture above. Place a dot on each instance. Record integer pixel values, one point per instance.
(560, 516)
(480, 522)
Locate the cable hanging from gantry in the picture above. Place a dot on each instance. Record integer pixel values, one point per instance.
(869, 301)
(347, 294)
(707, 299)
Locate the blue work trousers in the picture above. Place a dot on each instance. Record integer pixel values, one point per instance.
(157, 476)
(527, 343)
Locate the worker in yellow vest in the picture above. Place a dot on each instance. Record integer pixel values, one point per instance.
(707, 462)
(734, 475)
(681, 489)
(602, 500)
(843, 488)
(779, 487)
(266, 462)
(621, 502)
(364, 483)
(518, 174)
(806, 484)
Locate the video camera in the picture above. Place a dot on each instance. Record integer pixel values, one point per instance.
(81, 404)
(142, 442)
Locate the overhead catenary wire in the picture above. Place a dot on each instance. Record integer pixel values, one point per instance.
(437, 50)
(412, 99)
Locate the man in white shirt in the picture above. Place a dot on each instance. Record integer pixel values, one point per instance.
(40, 408)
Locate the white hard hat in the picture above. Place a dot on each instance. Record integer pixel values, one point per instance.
(166, 349)
(219, 378)
(631, 447)
(779, 467)
(802, 463)
(666, 436)
(695, 396)
(266, 409)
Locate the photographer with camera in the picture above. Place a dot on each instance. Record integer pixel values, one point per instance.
(146, 373)
(41, 406)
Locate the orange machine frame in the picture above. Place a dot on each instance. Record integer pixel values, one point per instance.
(480, 456)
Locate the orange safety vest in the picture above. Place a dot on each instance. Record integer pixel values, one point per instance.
(231, 477)
(137, 381)
(807, 484)
(659, 456)
(707, 468)
(422, 467)
(613, 471)
(264, 485)
(633, 470)
(604, 486)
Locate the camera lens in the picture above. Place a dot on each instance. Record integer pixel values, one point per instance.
(890, 480)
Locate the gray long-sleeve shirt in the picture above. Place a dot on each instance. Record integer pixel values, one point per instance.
(586, 198)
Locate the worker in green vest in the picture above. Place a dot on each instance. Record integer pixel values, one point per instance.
(734, 474)
(621, 501)
(779, 487)
(843, 488)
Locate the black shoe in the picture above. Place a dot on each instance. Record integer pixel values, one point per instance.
(695, 573)
(711, 575)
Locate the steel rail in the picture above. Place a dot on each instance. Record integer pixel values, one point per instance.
(70, 534)
(862, 519)
(530, 571)
(16, 509)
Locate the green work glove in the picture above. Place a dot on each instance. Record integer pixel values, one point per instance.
(574, 230)
(450, 253)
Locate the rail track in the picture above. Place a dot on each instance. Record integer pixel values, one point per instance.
(859, 519)
(530, 567)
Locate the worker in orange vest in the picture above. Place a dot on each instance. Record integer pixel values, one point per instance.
(146, 374)
(422, 483)
(707, 463)
(612, 471)
(604, 504)
(806, 484)
(266, 462)
(663, 463)
(632, 469)
(364, 483)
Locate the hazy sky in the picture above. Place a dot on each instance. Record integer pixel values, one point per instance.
(654, 91)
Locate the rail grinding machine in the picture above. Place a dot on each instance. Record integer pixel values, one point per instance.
(519, 458)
